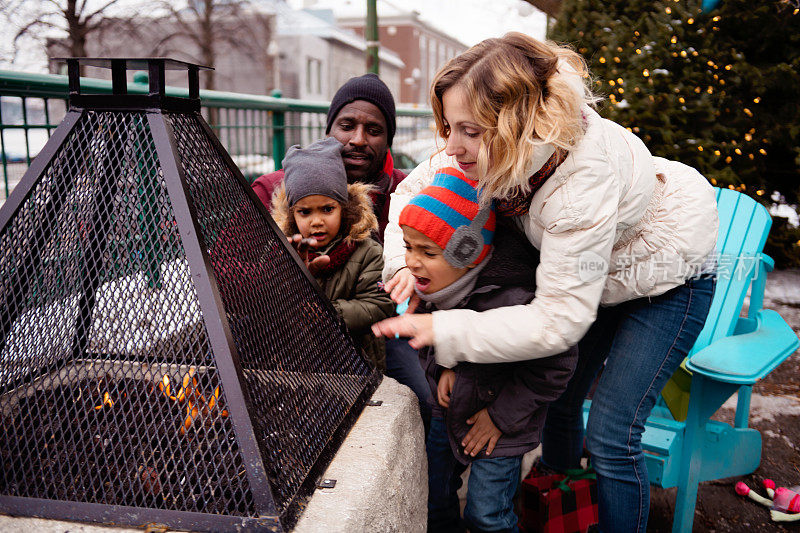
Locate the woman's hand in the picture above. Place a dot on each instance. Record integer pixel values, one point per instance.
(302, 245)
(445, 387)
(418, 327)
(482, 434)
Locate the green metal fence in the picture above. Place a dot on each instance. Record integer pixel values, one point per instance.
(255, 129)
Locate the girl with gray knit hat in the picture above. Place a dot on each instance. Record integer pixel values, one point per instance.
(316, 202)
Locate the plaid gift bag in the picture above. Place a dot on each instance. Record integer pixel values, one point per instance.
(558, 503)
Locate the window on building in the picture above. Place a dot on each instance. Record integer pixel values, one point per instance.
(424, 79)
(432, 65)
(313, 75)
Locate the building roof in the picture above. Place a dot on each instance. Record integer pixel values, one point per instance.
(301, 22)
(352, 12)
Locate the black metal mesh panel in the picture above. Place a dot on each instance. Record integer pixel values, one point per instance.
(108, 388)
(301, 369)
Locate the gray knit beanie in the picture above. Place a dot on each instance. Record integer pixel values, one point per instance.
(316, 169)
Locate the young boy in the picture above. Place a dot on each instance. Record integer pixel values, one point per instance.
(488, 415)
(317, 202)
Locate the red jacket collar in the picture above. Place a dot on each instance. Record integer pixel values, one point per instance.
(388, 165)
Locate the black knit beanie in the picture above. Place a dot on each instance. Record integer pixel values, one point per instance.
(370, 88)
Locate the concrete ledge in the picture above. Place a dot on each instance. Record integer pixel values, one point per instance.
(381, 474)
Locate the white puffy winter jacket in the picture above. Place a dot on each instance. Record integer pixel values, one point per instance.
(613, 223)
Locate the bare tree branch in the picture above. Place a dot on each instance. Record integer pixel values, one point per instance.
(550, 7)
(100, 10)
(32, 24)
(57, 6)
(76, 18)
(78, 7)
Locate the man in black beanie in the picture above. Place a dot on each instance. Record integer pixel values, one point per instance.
(362, 117)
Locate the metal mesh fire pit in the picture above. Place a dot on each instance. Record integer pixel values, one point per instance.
(165, 357)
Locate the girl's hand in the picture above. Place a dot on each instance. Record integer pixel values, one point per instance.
(445, 387)
(482, 434)
(302, 245)
(418, 327)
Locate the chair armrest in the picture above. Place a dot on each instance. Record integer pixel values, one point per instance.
(765, 264)
(769, 263)
(744, 359)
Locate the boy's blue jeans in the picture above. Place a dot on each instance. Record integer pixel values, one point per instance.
(402, 364)
(490, 496)
(642, 343)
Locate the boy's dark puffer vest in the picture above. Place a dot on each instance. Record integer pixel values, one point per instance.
(352, 286)
(516, 394)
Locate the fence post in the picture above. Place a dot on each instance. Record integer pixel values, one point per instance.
(278, 133)
(371, 35)
(3, 156)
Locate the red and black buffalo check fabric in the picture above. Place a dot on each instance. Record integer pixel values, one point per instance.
(546, 507)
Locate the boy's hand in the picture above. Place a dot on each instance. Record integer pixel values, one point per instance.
(445, 387)
(401, 288)
(482, 434)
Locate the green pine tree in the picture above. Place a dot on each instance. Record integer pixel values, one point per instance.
(717, 90)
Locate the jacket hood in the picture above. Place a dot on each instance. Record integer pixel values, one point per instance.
(358, 217)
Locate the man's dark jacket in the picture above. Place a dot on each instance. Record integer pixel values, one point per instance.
(516, 394)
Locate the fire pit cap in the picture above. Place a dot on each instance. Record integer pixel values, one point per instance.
(120, 99)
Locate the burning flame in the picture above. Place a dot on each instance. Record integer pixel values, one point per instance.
(196, 403)
(164, 387)
(106, 401)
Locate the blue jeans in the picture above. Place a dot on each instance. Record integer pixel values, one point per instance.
(642, 342)
(402, 364)
(490, 494)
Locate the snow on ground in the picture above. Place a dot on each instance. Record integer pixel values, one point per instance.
(766, 408)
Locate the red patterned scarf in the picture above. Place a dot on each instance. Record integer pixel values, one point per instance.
(520, 203)
(339, 255)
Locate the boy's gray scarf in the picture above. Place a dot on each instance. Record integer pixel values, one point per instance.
(456, 292)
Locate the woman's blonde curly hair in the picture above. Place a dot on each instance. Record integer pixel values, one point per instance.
(520, 93)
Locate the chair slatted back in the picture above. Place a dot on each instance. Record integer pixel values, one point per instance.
(744, 225)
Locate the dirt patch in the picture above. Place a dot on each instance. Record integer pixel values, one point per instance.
(775, 412)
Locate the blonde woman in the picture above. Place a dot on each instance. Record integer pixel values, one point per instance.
(626, 242)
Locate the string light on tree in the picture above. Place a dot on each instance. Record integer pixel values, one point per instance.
(691, 75)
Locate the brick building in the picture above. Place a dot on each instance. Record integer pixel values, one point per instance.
(422, 47)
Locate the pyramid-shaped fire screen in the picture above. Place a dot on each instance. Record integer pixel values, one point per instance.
(165, 357)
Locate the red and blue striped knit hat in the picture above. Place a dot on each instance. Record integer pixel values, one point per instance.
(447, 212)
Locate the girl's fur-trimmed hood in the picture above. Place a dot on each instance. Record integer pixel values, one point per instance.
(358, 217)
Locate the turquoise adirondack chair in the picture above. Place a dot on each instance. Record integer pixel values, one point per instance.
(730, 355)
